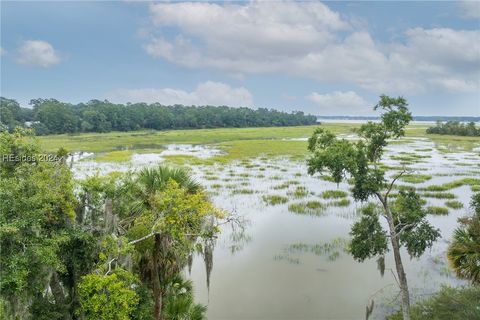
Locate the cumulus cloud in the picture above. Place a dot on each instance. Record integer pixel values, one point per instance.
(38, 53)
(207, 93)
(309, 40)
(331, 103)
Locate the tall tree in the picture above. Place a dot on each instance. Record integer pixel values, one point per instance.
(167, 218)
(360, 161)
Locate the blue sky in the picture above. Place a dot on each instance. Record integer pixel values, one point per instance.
(325, 58)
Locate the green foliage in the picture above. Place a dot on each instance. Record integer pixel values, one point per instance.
(464, 250)
(456, 128)
(36, 212)
(415, 233)
(447, 304)
(53, 116)
(108, 297)
(368, 237)
(180, 303)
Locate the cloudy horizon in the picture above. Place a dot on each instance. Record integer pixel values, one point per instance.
(323, 58)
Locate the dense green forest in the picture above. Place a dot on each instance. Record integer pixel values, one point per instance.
(455, 128)
(50, 116)
(108, 247)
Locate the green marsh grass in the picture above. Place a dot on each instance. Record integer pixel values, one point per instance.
(415, 178)
(274, 199)
(333, 194)
(434, 210)
(313, 208)
(454, 204)
(438, 195)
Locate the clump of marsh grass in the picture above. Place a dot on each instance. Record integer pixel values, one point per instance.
(299, 192)
(454, 204)
(437, 210)
(439, 195)
(340, 203)
(274, 199)
(313, 208)
(333, 194)
(415, 178)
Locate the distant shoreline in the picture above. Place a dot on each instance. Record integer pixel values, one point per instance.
(416, 119)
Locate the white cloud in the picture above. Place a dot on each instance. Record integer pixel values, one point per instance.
(309, 40)
(207, 93)
(339, 102)
(471, 9)
(38, 53)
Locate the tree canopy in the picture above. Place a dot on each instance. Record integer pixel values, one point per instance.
(50, 116)
(110, 247)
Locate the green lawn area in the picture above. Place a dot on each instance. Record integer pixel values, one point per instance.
(236, 142)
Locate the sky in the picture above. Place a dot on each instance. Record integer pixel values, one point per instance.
(323, 58)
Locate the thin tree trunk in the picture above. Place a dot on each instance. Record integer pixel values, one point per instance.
(59, 295)
(157, 290)
(402, 277)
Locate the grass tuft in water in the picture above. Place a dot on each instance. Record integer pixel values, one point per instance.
(340, 203)
(274, 199)
(333, 194)
(415, 178)
(437, 210)
(313, 208)
(454, 204)
(299, 192)
(439, 195)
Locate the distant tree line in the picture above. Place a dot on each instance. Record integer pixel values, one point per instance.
(455, 128)
(50, 116)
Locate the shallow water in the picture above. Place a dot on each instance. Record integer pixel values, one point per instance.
(263, 280)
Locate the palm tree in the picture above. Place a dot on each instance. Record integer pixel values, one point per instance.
(155, 179)
(162, 259)
(464, 251)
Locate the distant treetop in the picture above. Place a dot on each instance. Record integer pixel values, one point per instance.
(50, 116)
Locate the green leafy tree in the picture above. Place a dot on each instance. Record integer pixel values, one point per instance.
(108, 297)
(167, 217)
(360, 160)
(464, 250)
(36, 212)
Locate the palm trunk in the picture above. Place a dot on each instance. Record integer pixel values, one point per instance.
(157, 290)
